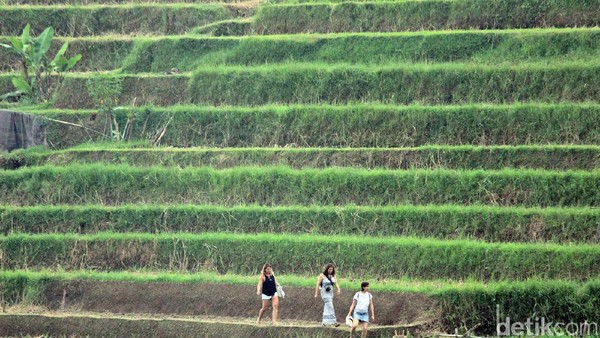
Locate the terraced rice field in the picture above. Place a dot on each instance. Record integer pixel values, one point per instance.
(446, 151)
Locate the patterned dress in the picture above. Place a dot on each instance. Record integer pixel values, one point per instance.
(327, 297)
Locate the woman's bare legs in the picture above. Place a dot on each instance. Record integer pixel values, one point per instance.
(353, 328)
(265, 306)
(355, 325)
(275, 304)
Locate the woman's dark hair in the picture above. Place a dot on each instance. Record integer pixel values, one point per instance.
(330, 265)
(363, 285)
(267, 265)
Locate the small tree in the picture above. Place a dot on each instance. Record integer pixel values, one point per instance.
(104, 92)
(38, 69)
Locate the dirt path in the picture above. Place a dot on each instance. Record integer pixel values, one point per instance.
(38, 321)
(223, 300)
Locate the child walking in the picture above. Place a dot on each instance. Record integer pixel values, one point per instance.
(361, 304)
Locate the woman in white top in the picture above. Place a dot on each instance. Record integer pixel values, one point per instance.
(361, 304)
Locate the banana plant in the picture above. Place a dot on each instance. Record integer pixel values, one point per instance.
(60, 63)
(21, 48)
(36, 78)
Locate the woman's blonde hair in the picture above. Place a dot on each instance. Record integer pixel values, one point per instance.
(267, 265)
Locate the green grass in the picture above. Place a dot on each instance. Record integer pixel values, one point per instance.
(353, 126)
(388, 257)
(551, 157)
(424, 15)
(270, 186)
(429, 287)
(492, 224)
(69, 20)
(342, 84)
(483, 47)
(404, 84)
(159, 54)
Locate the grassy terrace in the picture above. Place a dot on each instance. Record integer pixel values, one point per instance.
(312, 84)
(404, 84)
(485, 47)
(488, 223)
(454, 145)
(69, 20)
(304, 18)
(389, 257)
(424, 15)
(356, 126)
(429, 287)
(554, 157)
(161, 53)
(122, 184)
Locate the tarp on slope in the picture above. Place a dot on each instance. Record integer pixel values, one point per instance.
(19, 130)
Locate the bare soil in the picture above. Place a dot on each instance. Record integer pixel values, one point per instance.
(224, 300)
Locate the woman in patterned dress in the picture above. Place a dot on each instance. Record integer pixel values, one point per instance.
(326, 283)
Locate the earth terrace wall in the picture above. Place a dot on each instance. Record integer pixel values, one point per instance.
(425, 15)
(436, 84)
(234, 27)
(461, 303)
(149, 89)
(426, 157)
(491, 224)
(316, 84)
(111, 19)
(115, 185)
(301, 254)
(341, 126)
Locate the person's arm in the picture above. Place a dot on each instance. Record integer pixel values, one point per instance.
(337, 284)
(261, 280)
(319, 280)
(372, 309)
(352, 307)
